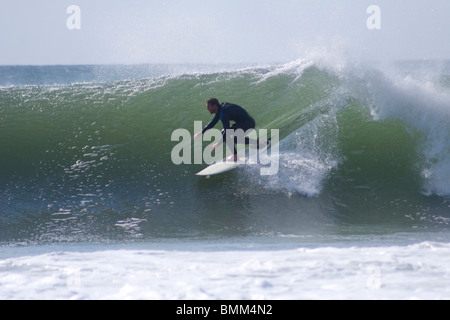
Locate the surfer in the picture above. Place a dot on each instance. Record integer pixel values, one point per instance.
(227, 112)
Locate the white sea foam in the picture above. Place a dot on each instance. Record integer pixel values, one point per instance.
(418, 271)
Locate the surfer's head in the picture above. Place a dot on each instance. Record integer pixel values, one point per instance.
(212, 105)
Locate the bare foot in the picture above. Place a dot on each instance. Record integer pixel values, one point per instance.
(232, 158)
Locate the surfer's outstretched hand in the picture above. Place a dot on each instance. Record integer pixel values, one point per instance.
(198, 134)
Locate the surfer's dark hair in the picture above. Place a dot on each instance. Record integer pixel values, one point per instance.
(213, 102)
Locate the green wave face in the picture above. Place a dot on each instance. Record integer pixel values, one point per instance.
(354, 148)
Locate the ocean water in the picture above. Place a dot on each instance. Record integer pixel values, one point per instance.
(92, 207)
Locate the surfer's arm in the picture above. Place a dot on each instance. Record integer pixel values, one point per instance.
(212, 123)
(226, 125)
(208, 126)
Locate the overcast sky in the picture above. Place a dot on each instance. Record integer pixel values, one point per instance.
(219, 31)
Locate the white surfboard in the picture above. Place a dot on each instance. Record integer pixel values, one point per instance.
(224, 165)
(221, 167)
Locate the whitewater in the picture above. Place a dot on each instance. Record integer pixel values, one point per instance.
(91, 206)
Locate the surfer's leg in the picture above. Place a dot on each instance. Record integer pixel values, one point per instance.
(231, 144)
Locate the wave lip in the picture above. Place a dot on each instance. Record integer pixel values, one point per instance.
(422, 104)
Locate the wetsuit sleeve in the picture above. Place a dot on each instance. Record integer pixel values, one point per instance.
(226, 125)
(212, 123)
(226, 121)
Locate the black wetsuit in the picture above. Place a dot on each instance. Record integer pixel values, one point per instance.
(231, 112)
